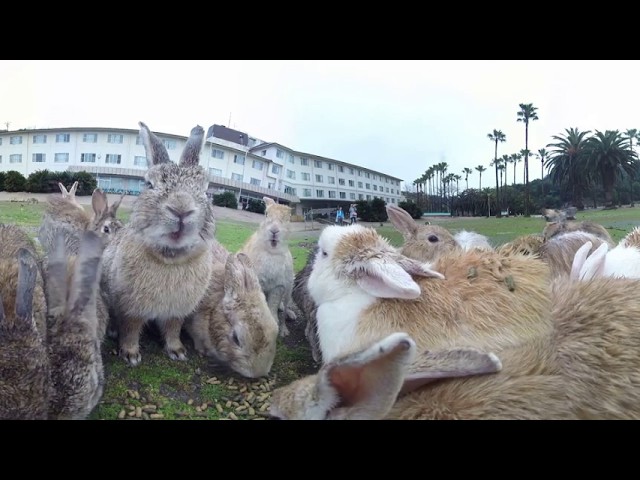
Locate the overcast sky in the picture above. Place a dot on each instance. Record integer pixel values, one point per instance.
(398, 117)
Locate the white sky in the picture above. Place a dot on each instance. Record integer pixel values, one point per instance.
(398, 117)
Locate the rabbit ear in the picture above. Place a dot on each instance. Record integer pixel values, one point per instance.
(191, 153)
(593, 266)
(99, 202)
(27, 273)
(233, 276)
(367, 382)
(416, 268)
(579, 259)
(114, 208)
(268, 201)
(250, 277)
(403, 222)
(63, 189)
(459, 362)
(156, 151)
(57, 278)
(87, 272)
(74, 187)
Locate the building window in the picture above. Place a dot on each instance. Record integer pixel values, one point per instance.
(330, 166)
(359, 184)
(271, 186)
(304, 161)
(351, 171)
(359, 173)
(264, 153)
(305, 176)
(38, 158)
(115, 138)
(15, 140)
(291, 159)
(236, 176)
(343, 195)
(279, 153)
(319, 178)
(289, 190)
(39, 139)
(169, 144)
(367, 175)
(239, 159)
(217, 153)
(393, 200)
(63, 138)
(360, 196)
(332, 194)
(375, 177)
(139, 161)
(255, 181)
(352, 183)
(306, 192)
(320, 193)
(275, 169)
(386, 180)
(340, 169)
(317, 163)
(341, 182)
(387, 188)
(291, 174)
(90, 138)
(367, 186)
(216, 172)
(375, 188)
(331, 180)
(258, 164)
(88, 158)
(112, 159)
(61, 158)
(352, 196)
(381, 189)
(392, 191)
(368, 197)
(15, 158)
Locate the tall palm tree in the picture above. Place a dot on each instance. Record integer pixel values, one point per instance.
(416, 182)
(631, 134)
(524, 152)
(610, 156)
(515, 158)
(480, 169)
(457, 178)
(467, 171)
(505, 160)
(567, 163)
(526, 114)
(497, 136)
(542, 155)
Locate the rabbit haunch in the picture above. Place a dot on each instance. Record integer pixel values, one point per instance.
(365, 290)
(159, 265)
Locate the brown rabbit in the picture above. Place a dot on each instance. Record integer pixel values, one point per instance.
(302, 298)
(233, 322)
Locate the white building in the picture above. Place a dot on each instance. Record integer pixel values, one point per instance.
(235, 161)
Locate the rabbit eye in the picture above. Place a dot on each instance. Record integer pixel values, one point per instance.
(105, 229)
(235, 338)
(148, 184)
(432, 238)
(324, 254)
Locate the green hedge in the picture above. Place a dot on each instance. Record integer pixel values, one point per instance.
(44, 181)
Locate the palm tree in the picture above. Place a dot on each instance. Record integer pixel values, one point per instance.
(515, 158)
(523, 152)
(467, 171)
(610, 156)
(526, 114)
(631, 134)
(504, 162)
(457, 178)
(497, 136)
(567, 163)
(480, 169)
(542, 155)
(416, 182)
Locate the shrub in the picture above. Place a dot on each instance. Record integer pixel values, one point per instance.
(87, 183)
(2, 177)
(412, 209)
(226, 199)
(257, 206)
(14, 181)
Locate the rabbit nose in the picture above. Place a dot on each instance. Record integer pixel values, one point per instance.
(180, 214)
(275, 231)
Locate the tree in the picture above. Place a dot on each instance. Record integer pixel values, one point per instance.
(610, 156)
(515, 158)
(542, 155)
(497, 136)
(631, 134)
(480, 169)
(467, 171)
(14, 181)
(526, 114)
(567, 163)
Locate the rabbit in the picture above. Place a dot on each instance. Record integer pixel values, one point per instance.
(61, 215)
(364, 385)
(70, 194)
(24, 363)
(269, 252)
(620, 261)
(14, 239)
(302, 298)
(365, 289)
(158, 266)
(74, 346)
(233, 322)
(426, 242)
(553, 215)
(529, 244)
(588, 367)
(552, 229)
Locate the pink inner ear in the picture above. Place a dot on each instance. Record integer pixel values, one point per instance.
(384, 287)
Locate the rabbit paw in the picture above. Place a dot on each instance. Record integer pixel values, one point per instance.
(284, 331)
(177, 352)
(132, 357)
(290, 314)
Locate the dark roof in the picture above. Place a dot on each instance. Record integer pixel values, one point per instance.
(228, 134)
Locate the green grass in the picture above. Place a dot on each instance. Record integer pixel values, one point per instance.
(178, 390)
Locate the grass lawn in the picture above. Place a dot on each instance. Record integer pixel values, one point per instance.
(160, 388)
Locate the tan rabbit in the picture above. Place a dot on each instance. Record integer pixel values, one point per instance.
(551, 229)
(269, 252)
(74, 340)
(24, 364)
(365, 289)
(70, 194)
(159, 264)
(233, 323)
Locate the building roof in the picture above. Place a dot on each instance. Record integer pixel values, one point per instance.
(136, 131)
(228, 134)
